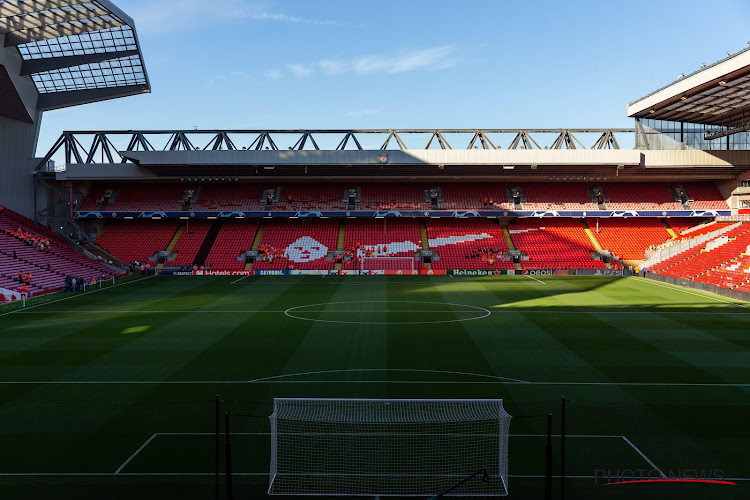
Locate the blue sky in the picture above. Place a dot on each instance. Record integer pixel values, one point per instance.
(404, 64)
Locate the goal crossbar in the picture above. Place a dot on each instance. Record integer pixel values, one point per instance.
(387, 263)
(387, 447)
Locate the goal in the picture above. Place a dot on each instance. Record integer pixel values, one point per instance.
(388, 447)
(387, 264)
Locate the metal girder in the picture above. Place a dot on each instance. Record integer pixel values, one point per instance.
(56, 100)
(300, 144)
(394, 135)
(345, 141)
(566, 139)
(483, 140)
(217, 140)
(261, 140)
(441, 140)
(14, 39)
(49, 18)
(221, 142)
(32, 66)
(11, 8)
(524, 140)
(606, 141)
(180, 142)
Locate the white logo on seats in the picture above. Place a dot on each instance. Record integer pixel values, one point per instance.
(306, 249)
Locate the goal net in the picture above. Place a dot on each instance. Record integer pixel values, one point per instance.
(387, 264)
(388, 447)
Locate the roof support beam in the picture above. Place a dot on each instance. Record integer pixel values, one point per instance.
(57, 31)
(50, 18)
(11, 8)
(57, 100)
(32, 66)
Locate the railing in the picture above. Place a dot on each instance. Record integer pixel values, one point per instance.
(655, 257)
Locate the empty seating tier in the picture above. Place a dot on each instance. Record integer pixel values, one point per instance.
(310, 197)
(468, 244)
(554, 244)
(137, 240)
(235, 237)
(628, 238)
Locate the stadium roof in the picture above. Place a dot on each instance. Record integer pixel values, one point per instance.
(718, 94)
(75, 51)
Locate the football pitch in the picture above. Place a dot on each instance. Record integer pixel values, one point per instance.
(111, 393)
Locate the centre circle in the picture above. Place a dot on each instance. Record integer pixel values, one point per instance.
(375, 312)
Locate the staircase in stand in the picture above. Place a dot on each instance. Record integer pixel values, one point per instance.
(511, 247)
(424, 238)
(590, 234)
(256, 242)
(208, 243)
(669, 229)
(340, 242)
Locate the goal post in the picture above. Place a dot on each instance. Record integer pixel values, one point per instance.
(388, 447)
(387, 264)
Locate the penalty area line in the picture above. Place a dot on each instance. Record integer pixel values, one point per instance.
(530, 276)
(136, 453)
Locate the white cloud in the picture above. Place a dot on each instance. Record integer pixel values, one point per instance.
(299, 70)
(273, 74)
(436, 58)
(362, 112)
(175, 15)
(429, 59)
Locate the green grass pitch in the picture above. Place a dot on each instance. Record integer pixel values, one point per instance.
(110, 394)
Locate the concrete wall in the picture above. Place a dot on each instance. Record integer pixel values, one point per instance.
(18, 140)
(17, 145)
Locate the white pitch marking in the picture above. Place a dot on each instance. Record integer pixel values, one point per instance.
(299, 310)
(74, 296)
(134, 454)
(355, 370)
(530, 276)
(680, 289)
(244, 474)
(237, 281)
(644, 456)
(420, 382)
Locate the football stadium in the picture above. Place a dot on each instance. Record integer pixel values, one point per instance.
(407, 312)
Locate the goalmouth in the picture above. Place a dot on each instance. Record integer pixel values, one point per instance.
(388, 447)
(406, 264)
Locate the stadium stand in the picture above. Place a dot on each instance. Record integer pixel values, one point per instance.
(539, 196)
(556, 196)
(137, 240)
(471, 195)
(135, 197)
(297, 244)
(38, 251)
(639, 196)
(468, 244)
(234, 238)
(229, 197)
(700, 263)
(553, 244)
(393, 197)
(628, 238)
